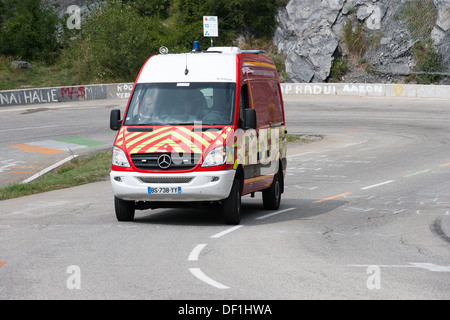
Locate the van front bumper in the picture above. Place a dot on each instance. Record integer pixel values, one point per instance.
(198, 186)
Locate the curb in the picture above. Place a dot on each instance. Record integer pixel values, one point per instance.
(123, 91)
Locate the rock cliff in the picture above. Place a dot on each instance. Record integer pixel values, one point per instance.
(376, 37)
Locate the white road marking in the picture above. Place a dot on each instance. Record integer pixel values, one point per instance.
(378, 184)
(300, 154)
(193, 256)
(37, 175)
(427, 266)
(203, 277)
(29, 128)
(274, 213)
(311, 188)
(351, 144)
(31, 208)
(355, 209)
(220, 234)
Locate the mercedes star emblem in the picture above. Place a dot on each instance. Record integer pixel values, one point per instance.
(164, 161)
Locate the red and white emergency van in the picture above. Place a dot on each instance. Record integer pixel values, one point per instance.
(204, 127)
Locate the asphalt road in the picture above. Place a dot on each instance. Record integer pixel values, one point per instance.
(32, 138)
(366, 215)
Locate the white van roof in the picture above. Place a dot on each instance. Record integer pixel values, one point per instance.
(218, 64)
(225, 50)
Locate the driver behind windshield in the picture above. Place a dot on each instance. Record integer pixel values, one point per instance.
(193, 103)
(148, 105)
(146, 109)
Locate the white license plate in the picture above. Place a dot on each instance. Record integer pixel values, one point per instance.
(164, 190)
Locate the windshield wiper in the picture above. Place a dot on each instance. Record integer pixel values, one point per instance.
(181, 124)
(140, 129)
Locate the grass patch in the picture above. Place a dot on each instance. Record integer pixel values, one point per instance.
(355, 38)
(40, 75)
(339, 68)
(292, 138)
(420, 17)
(429, 61)
(77, 172)
(302, 138)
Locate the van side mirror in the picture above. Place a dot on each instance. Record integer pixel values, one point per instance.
(114, 120)
(249, 119)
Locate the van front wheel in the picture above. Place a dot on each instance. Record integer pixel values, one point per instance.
(124, 209)
(272, 196)
(232, 205)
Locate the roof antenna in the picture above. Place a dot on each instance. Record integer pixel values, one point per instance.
(186, 71)
(196, 48)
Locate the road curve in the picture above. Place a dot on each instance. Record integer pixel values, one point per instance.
(365, 215)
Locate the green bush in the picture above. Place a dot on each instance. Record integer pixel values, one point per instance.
(118, 36)
(255, 17)
(115, 41)
(29, 30)
(429, 61)
(339, 68)
(151, 8)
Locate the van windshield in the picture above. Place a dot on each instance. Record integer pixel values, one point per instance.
(181, 104)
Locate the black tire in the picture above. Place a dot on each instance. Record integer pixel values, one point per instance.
(272, 196)
(232, 205)
(124, 209)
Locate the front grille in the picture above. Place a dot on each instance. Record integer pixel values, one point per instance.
(177, 180)
(179, 161)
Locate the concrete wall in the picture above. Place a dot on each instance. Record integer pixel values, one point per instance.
(123, 91)
(65, 94)
(367, 89)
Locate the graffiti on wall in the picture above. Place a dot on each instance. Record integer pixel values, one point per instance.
(51, 95)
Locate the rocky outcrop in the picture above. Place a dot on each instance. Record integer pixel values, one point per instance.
(305, 35)
(61, 6)
(441, 32)
(311, 36)
(21, 65)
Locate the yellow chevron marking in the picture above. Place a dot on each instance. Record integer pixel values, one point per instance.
(140, 138)
(190, 143)
(259, 64)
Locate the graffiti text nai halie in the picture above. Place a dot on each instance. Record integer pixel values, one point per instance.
(45, 95)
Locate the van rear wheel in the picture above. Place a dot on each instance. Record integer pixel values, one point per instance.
(272, 196)
(232, 205)
(124, 209)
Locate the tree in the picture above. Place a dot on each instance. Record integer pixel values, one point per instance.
(250, 17)
(29, 29)
(151, 8)
(116, 40)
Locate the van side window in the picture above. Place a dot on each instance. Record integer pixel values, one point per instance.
(243, 103)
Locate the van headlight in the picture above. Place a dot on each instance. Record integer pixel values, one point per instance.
(119, 158)
(216, 157)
